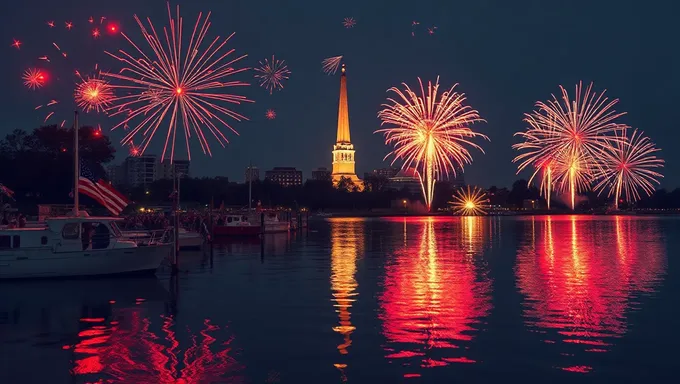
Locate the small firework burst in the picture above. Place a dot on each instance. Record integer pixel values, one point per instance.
(134, 150)
(331, 64)
(93, 93)
(272, 73)
(16, 43)
(50, 23)
(432, 30)
(69, 25)
(34, 78)
(469, 202)
(270, 114)
(96, 33)
(349, 22)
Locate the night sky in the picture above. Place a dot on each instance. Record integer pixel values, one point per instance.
(504, 54)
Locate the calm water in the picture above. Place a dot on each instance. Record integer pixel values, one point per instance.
(434, 300)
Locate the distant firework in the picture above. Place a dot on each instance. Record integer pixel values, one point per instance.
(270, 114)
(272, 73)
(93, 93)
(349, 22)
(56, 76)
(469, 202)
(628, 166)
(185, 84)
(331, 64)
(133, 150)
(16, 44)
(566, 138)
(430, 133)
(34, 78)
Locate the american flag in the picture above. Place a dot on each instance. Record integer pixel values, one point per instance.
(101, 191)
(6, 191)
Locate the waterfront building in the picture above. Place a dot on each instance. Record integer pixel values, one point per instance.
(343, 150)
(145, 169)
(285, 176)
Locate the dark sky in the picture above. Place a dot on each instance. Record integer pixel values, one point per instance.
(505, 55)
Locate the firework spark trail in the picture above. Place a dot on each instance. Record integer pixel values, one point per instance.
(469, 202)
(628, 166)
(185, 85)
(331, 64)
(430, 134)
(272, 73)
(568, 136)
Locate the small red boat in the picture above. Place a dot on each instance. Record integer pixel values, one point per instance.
(237, 225)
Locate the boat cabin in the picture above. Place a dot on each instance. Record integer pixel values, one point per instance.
(65, 234)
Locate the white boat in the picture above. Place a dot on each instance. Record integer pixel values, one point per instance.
(75, 246)
(187, 240)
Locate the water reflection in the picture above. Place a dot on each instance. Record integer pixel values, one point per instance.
(131, 348)
(436, 295)
(580, 281)
(347, 244)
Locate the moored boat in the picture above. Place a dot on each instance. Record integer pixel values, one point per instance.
(250, 225)
(75, 246)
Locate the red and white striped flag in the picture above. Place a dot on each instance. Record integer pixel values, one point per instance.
(104, 194)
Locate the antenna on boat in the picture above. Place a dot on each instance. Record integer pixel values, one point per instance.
(76, 167)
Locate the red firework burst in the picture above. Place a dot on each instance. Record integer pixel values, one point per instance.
(184, 84)
(270, 114)
(272, 73)
(34, 78)
(349, 22)
(16, 43)
(93, 93)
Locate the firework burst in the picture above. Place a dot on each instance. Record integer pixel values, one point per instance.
(349, 22)
(469, 202)
(34, 78)
(430, 132)
(181, 84)
(16, 43)
(629, 166)
(93, 93)
(272, 73)
(270, 114)
(331, 64)
(566, 137)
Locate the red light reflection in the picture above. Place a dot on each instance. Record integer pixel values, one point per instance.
(580, 282)
(436, 294)
(129, 351)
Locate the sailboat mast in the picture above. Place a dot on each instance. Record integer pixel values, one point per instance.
(76, 167)
(250, 186)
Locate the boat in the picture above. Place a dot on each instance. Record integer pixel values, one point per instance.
(250, 225)
(237, 225)
(75, 246)
(187, 240)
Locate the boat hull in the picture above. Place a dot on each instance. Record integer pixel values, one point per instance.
(38, 263)
(236, 230)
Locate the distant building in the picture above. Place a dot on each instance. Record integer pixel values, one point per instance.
(405, 179)
(252, 173)
(285, 176)
(140, 170)
(343, 150)
(321, 174)
(144, 170)
(166, 170)
(384, 172)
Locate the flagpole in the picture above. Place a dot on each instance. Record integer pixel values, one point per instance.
(76, 167)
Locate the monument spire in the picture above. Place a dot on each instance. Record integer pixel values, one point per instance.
(343, 110)
(343, 150)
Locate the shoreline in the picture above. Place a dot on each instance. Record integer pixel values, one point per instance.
(350, 214)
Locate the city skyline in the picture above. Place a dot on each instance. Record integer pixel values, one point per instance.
(501, 73)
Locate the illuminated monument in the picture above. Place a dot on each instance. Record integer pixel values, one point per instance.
(343, 150)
